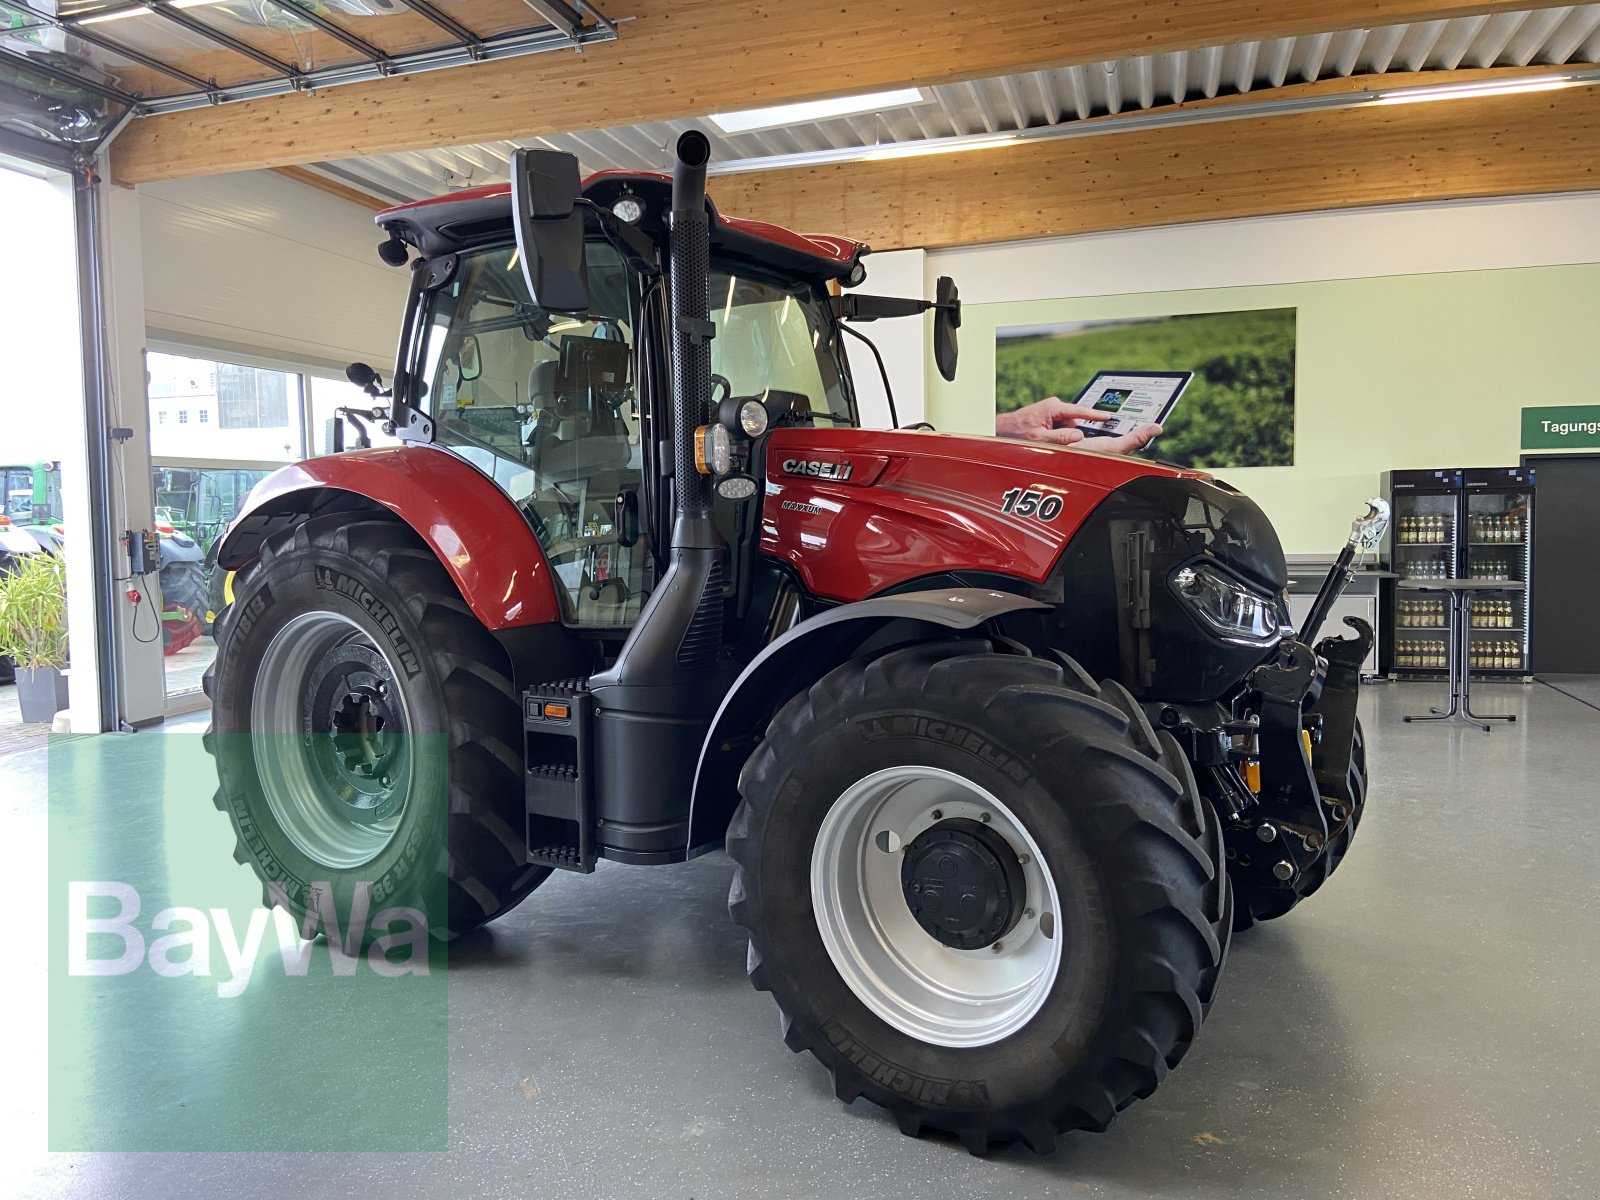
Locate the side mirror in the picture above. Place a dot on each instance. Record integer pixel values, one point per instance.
(467, 360)
(364, 377)
(946, 320)
(545, 189)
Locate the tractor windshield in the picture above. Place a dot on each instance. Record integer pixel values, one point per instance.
(777, 339)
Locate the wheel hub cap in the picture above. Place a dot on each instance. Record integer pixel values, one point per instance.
(935, 905)
(963, 884)
(356, 733)
(330, 740)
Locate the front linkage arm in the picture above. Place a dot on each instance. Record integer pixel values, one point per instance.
(1290, 829)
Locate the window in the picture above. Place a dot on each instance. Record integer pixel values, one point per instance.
(544, 403)
(161, 417)
(250, 414)
(250, 398)
(776, 339)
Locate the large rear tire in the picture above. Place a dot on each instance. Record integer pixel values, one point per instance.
(984, 892)
(366, 730)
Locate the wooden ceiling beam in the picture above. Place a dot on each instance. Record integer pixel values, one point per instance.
(1505, 145)
(334, 188)
(688, 58)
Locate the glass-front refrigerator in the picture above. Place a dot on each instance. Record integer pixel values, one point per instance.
(1423, 544)
(1497, 521)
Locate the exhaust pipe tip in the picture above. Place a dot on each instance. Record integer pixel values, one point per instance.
(694, 149)
(689, 172)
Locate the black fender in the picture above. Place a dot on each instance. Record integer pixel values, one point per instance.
(804, 655)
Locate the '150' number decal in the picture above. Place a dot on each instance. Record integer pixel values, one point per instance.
(1031, 504)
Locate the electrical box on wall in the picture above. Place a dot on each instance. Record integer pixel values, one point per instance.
(144, 551)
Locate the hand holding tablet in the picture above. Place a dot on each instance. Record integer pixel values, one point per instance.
(1122, 409)
(1132, 398)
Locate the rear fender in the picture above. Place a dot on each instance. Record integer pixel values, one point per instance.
(479, 535)
(804, 655)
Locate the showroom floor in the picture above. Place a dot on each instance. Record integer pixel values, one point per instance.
(1424, 1027)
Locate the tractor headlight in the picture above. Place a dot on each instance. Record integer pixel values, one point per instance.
(1228, 606)
(753, 418)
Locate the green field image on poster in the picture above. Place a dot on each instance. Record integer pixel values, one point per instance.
(1238, 410)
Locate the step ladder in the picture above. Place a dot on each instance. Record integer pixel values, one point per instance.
(557, 720)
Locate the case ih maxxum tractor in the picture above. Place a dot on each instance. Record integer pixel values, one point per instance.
(1004, 740)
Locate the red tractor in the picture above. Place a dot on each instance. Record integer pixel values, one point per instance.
(1004, 740)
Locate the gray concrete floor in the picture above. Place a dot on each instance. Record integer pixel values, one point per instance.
(1424, 1027)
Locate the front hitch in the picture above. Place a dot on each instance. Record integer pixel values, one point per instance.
(1290, 817)
(1307, 705)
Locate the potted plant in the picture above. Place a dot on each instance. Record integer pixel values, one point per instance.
(33, 631)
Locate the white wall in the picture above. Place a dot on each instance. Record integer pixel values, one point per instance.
(1410, 240)
(260, 263)
(1405, 240)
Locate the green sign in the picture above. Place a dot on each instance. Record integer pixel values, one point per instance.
(1561, 427)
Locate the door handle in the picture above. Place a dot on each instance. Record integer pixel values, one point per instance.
(627, 517)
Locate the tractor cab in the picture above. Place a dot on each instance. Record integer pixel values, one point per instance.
(568, 409)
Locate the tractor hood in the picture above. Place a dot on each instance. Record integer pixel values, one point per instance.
(856, 512)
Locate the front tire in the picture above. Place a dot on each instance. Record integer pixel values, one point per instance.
(1071, 966)
(367, 731)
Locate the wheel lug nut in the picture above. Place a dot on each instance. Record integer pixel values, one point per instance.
(1023, 860)
(1266, 831)
(984, 817)
(998, 946)
(937, 814)
(384, 781)
(1027, 914)
(383, 688)
(1283, 869)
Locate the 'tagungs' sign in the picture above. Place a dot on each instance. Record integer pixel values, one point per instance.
(1561, 427)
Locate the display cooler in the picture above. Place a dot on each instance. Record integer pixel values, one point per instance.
(1454, 523)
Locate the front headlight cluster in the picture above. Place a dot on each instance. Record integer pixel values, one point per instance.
(1228, 606)
(723, 448)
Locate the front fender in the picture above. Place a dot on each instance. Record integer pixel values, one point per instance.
(478, 534)
(797, 660)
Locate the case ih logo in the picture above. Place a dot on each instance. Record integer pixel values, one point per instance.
(839, 472)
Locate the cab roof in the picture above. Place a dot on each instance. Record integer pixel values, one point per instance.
(482, 216)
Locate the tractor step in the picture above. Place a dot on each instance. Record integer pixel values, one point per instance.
(556, 720)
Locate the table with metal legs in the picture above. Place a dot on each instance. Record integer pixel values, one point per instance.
(1458, 652)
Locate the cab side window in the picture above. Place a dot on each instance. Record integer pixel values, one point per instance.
(546, 404)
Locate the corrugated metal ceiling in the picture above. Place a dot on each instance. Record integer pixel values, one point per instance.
(1555, 36)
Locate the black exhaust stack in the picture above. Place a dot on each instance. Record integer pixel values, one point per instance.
(654, 705)
(679, 634)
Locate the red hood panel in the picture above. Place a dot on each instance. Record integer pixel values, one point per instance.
(858, 511)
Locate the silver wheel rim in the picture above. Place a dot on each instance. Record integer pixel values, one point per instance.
(331, 814)
(933, 992)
